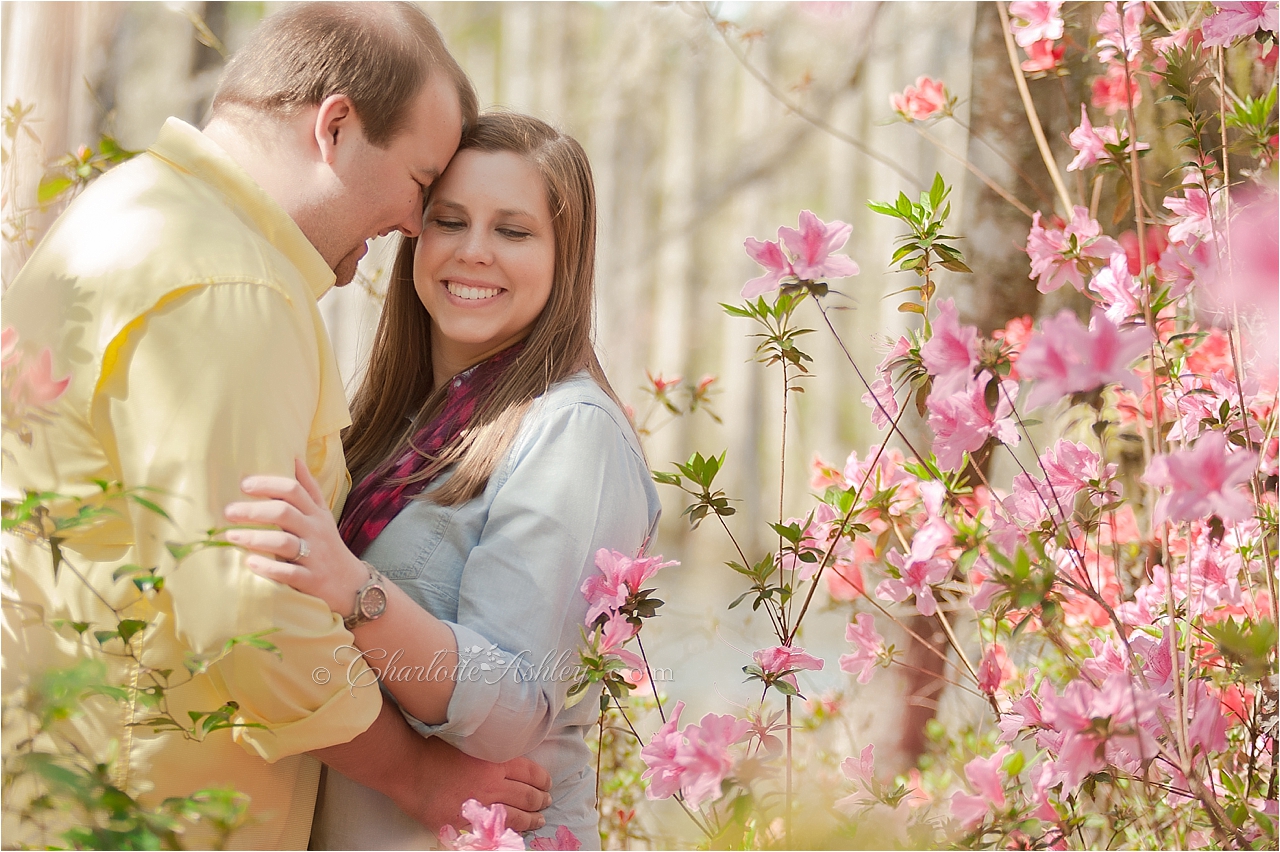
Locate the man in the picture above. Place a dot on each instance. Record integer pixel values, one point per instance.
(179, 292)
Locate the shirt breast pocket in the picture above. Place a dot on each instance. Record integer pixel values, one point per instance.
(402, 550)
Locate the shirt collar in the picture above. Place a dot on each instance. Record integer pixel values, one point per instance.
(186, 148)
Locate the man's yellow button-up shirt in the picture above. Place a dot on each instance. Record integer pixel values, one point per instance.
(181, 300)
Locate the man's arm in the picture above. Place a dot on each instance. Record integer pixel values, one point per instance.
(218, 383)
(429, 779)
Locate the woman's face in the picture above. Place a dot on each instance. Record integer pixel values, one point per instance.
(486, 258)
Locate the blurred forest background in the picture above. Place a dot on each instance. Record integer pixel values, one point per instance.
(706, 124)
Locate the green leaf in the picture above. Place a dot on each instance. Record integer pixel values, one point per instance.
(130, 627)
(150, 506)
(51, 187)
(910, 308)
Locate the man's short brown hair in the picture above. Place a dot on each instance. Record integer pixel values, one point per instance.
(378, 54)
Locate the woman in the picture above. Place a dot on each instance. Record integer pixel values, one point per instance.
(492, 460)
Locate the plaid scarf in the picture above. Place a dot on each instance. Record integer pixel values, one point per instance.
(382, 494)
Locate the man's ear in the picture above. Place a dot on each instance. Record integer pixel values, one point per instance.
(335, 121)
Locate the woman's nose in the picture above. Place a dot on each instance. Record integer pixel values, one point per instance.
(474, 247)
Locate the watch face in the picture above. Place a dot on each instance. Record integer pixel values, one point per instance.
(373, 602)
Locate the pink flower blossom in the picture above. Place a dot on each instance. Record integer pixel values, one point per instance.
(813, 246)
(952, 352)
(777, 267)
(663, 772)
(918, 579)
(1043, 55)
(782, 661)
(9, 344)
(1091, 143)
(1099, 725)
(1065, 358)
(1120, 293)
(926, 98)
(1247, 279)
(995, 670)
(1203, 481)
(881, 399)
(1238, 20)
(861, 770)
(1121, 34)
(35, 386)
(1035, 21)
(620, 577)
(868, 647)
(969, 810)
(488, 829)
(1061, 257)
(565, 840)
(984, 773)
(705, 757)
(1115, 91)
(809, 256)
(962, 422)
(1195, 218)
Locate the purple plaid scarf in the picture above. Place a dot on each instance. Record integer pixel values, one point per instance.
(382, 494)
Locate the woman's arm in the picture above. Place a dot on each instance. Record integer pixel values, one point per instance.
(573, 484)
(332, 573)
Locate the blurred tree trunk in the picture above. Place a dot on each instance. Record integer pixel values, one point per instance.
(995, 231)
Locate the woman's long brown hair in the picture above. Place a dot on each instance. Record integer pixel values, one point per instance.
(396, 397)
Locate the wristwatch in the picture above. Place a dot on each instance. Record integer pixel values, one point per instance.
(371, 600)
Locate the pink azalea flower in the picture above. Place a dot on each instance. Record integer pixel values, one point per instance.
(918, 579)
(1120, 292)
(995, 670)
(809, 255)
(1066, 358)
(1091, 143)
(1248, 278)
(663, 772)
(1057, 256)
(862, 770)
(1203, 481)
(882, 402)
(1043, 55)
(926, 98)
(777, 267)
(1035, 21)
(9, 345)
(1238, 20)
(35, 386)
(488, 829)
(970, 810)
(882, 387)
(620, 577)
(962, 422)
(984, 773)
(952, 352)
(1087, 744)
(1087, 142)
(813, 248)
(1071, 467)
(1121, 34)
(868, 647)
(705, 757)
(1112, 91)
(1195, 218)
(565, 840)
(781, 661)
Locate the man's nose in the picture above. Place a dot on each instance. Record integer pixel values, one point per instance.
(411, 224)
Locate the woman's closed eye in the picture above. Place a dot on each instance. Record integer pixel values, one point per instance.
(514, 233)
(448, 224)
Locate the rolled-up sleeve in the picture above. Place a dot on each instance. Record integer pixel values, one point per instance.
(221, 382)
(574, 484)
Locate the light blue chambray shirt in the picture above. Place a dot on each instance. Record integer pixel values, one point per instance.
(505, 570)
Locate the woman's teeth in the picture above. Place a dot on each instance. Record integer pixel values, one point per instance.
(472, 293)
